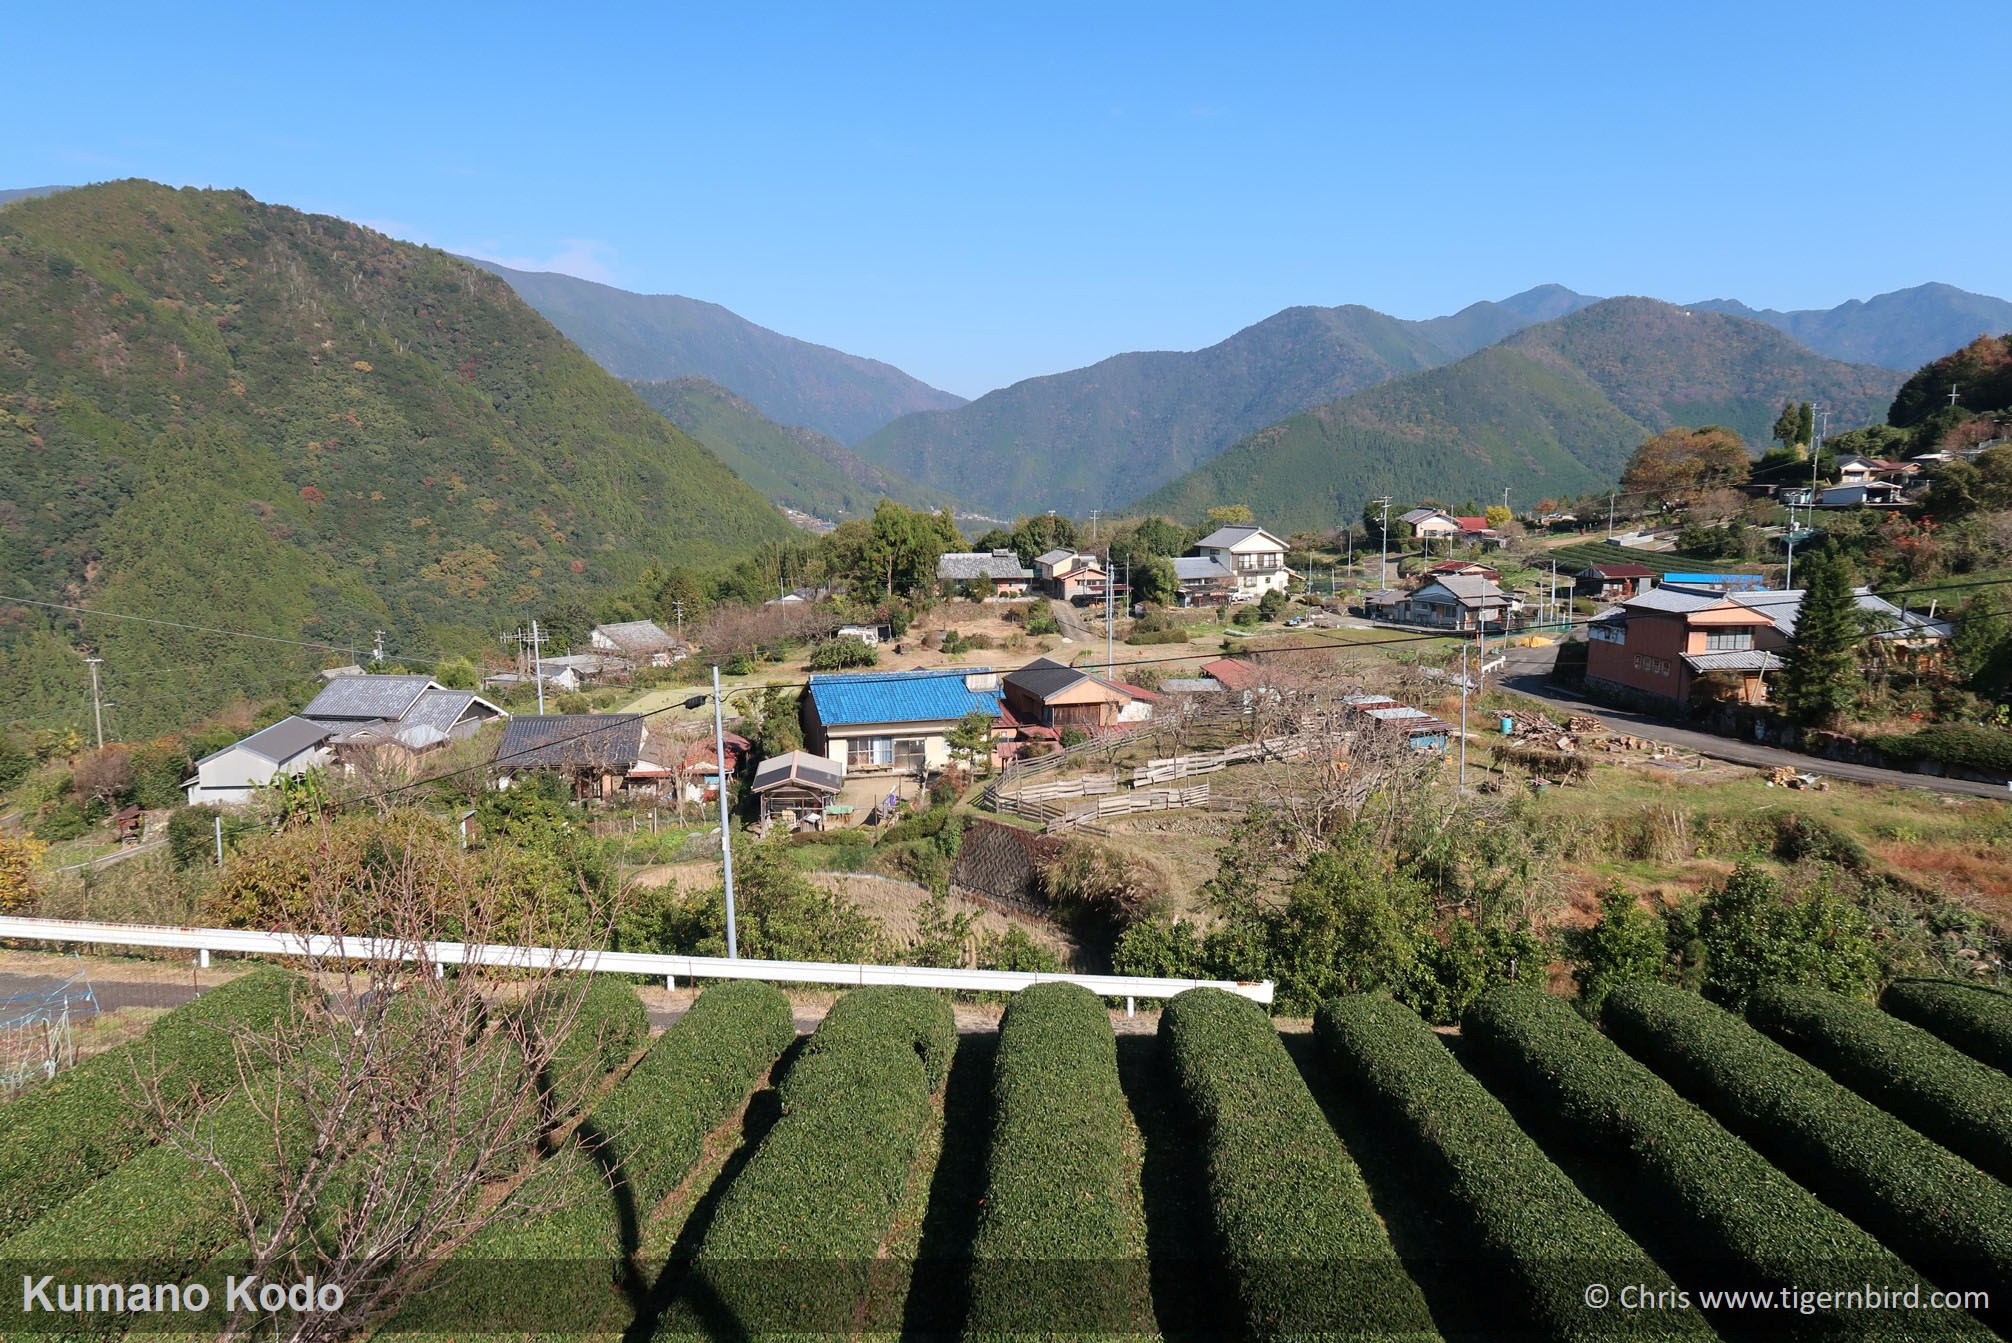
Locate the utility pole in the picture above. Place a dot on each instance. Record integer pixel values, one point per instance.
(1461, 791)
(1505, 498)
(1610, 514)
(726, 834)
(678, 608)
(97, 705)
(1954, 388)
(1093, 525)
(537, 667)
(1383, 546)
(377, 647)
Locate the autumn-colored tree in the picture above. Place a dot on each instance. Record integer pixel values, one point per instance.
(1498, 516)
(1229, 515)
(103, 776)
(1680, 462)
(20, 859)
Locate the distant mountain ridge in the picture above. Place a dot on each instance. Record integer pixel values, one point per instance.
(1553, 410)
(662, 337)
(1902, 330)
(794, 467)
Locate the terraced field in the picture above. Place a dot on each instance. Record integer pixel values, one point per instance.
(1535, 1176)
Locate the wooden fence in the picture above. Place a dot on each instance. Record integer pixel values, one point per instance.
(1208, 762)
(1127, 804)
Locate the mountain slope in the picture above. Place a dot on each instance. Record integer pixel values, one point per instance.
(11, 194)
(796, 468)
(229, 414)
(1555, 409)
(1091, 437)
(1479, 325)
(658, 337)
(1904, 329)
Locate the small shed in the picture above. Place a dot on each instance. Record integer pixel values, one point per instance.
(798, 782)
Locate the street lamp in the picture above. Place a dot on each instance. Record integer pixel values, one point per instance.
(726, 834)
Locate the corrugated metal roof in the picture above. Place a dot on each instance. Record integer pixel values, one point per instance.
(1223, 538)
(1745, 660)
(844, 699)
(638, 636)
(368, 697)
(282, 741)
(799, 767)
(1044, 677)
(1673, 601)
(1191, 685)
(571, 741)
(438, 709)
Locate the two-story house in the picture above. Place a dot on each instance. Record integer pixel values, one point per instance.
(1069, 576)
(1254, 558)
(1655, 647)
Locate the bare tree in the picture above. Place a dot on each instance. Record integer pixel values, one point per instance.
(399, 1101)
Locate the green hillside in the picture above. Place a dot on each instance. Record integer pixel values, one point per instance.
(794, 467)
(1095, 436)
(222, 413)
(1555, 409)
(1902, 330)
(656, 337)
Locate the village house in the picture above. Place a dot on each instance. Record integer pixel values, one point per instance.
(643, 643)
(1422, 731)
(893, 721)
(998, 573)
(1054, 695)
(1459, 603)
(1254, 558)
(232, 777)
(1658, 646)
(600, 754)
(393, 719)
(1612, 582)
(699, 775)
(1463, 569)
(1203, 580)
(1069, 576)
(1436, 524)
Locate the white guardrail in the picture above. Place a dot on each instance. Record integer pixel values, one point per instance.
(250, 942)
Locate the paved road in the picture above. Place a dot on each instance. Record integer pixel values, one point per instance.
(1076, 623)
(1533, 685)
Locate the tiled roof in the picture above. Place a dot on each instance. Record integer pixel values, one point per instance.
(572, 741)
(1418, 515)
(1467, 589)
(1054, 557)
(848, 698)
(1199, 569)
(1044, 677)
(367, 697)
(439, 709)
(1673, 601)
(1191, 685)
(974, 564)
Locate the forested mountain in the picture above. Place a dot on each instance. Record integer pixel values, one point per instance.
(221, 413)
(1554, 410)
(27, 193)
(1903, 330)
(1479, 325)
(658, 337)
(795, 467)
(1095, 436)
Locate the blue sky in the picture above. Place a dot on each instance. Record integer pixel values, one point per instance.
(984, 194)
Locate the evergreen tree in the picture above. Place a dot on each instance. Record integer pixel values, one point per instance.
(1820, 678)
(1805, 429)
(1982, 648)
(1626, 946)
(1788, 425)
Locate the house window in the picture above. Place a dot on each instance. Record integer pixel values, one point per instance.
(909, 753)
(1608, 634)
(869, 751)
(1729, 641)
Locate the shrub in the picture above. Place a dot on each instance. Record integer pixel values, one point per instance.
(1041, 619)
(1963, 745)
(793, 1241)
(1145, 638)
(1737, 1216)
(634, 1149)
(1961, 1103)
(1055, 1249)
(1073, 736)
(58, 1138)
(605, 1024)
(1974, 1018)
(1160, 949)
(192, 836)
(64, 821)
(1520, 1210)
(1301, 1245)
(1754, 933)
(1935, 1209)
(1015, 950)
(848, 650)
(1087, 880)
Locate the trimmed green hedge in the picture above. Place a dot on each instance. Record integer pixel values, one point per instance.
(1055, 1250)
(1931, 1207)
(605, 1025)
(634, 1148)
(1743, 1223)
(1943, 1092)
(1522, 1212)
(58, 1138)
(1964, 745)
(1301, 1244)
(792, 1244)
(1975, 1018)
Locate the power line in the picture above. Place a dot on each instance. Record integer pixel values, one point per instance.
(176, 624)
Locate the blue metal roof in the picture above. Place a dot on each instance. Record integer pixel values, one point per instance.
(1724, 582)
(846, 698)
